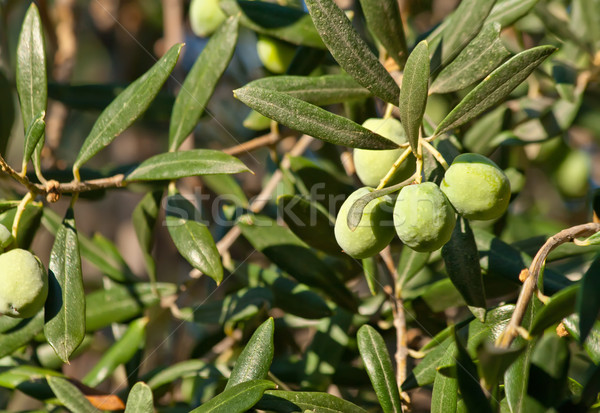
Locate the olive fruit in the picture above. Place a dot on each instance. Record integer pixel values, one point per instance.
(573, 174)
(423, 217)
(375, 231)
(23, 284)
(205, 16)
(476, 187)
(274, 54)
(6, 237)
(372, 165)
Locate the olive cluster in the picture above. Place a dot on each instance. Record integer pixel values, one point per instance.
(423, 215)
(23, 280)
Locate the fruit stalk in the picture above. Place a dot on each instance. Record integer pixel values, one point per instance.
(394, 168)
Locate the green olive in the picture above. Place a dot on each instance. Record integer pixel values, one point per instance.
(573, 174)
(23, 284)
(476, 187)
(375, 231)
(205, 17)
(372, 165)
(6, 237)
(423, 217)
(274, 54)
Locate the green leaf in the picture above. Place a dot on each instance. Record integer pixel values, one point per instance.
(588, 303)
(70, 395)
(255, 360)
(34, 134)
(318, 90)
(379, 367)
(32, 84)
(301, 401)
(463, 25)
(506, 12)
(174, 165)
(462, 263)
(495, 87)
(187, 368)
(65, 307)
(256, 122)
(311, 119)
(480, 136)
(119, 353)
(7, 111)
(480, 57)
(192, 238)
(236, 399)
(31, 380)
(120, 303)
(445, 389)
(201, 81)
(127, 107)
(20, 334)
(468, 380)
(371, 274)
(226, 186)
(493, 362)
(559, 306)
(355, 213)
(548, 371)
(384, 21)
(410, 263)
(413, 97)
(144, 219)
(140, 399)
(350, 50)
(592, 343)
(285, 23)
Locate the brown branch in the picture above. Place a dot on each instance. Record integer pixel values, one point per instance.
(530, 284)
(256, 143)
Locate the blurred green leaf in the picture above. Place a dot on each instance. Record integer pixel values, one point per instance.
(33, 135)
(119, 353)
(70, 395)
(480, 136)
(144, 219)
(140, 399)
(495, 87)
(300, 401)
(255, 360)
(384, 21)
(29, 224)
(462, 264)
(256, 122)
(174, 165)
(559, 306)
(493, 362)
(65, 307)
(226, 186)
(371, 274)
(548, 371)
(237, 399)
(7, 111)
(479, 58)
(378, 364)
(20, 334)
(587, 303)
(192, 238)
(8, 205)
(410, 263)
(285, 23)
(127, 107)
(318, 90)
(506, 12)
(591, 343)
(445, 389)
(311, 119)
(350, 50)
(201, 81)
(176, 371)
(413, 96)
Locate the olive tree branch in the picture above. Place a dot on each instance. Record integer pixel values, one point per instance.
(513, 329)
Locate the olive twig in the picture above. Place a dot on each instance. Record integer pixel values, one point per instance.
(394, 168)
(20, 209)
(436, 154)
(419, 172)
(513, 329)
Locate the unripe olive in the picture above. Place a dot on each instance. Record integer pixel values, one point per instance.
(372, 165)
(6, 237)
(274, 54)
(476, 187)
(423, 217)
(375, 230)
(573, 174)
(205, 17)
(23, 284)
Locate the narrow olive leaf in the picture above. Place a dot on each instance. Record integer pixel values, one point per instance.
(371, 272)
(560, 305)
(226, 186)
(20, 334)
(483, 54)
(495, 87)
(592, 344)
(65, 307)
(445, 389)
(588, 303)
(506, 12)
(468, 380)
(174, 165)
(286, 23)
(140, 399)
(559, 27)
(256, 122)
(8, 205)
(201, 81)
(70, 395)
(350, 50)
(318, 90)
(127, 107)
(413, 97)
(378, 364)
(32, 84)
(385, 22)
(301, 401)
(410, 263)
(462, 264)
(119, 353)
(311, 119)
(463, 25)
(355, 213)
(237, 399)
(255, 360)
(192, 238)
(34, 133)
(548, 371)
(168, 375)
(493, 362)
(144, 219)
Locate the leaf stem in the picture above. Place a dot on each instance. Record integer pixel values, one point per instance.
(436, 154)
(394, 168)
(20, 209)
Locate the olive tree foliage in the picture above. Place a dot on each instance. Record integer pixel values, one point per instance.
(483, 316)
